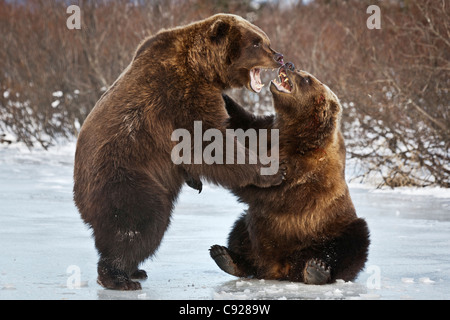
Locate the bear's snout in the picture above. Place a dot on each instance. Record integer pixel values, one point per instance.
(278, 57)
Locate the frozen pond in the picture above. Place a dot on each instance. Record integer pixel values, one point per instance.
(46, 252)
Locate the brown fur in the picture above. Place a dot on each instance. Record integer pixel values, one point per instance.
(125, 182)
(307, 225)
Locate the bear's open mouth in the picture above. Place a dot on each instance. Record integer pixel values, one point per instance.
(283, 84)
(255, 80)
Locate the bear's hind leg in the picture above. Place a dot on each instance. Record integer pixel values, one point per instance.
(236, 259)
(130, 230)
(342, 257)
(350, 251)
(222, 256)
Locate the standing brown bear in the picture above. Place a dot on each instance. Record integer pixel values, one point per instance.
(306, 229)
(125, 183)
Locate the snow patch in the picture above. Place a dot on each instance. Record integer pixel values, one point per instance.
(55, 103)
(8, 286)
(426, 280)
(408, 280)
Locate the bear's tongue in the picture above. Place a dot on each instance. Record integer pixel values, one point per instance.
(255, 80)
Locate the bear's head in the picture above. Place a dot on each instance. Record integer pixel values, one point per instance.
(305, 104)
(244, 50)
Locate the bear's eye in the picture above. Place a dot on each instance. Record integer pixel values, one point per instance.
(256, 44)
(308, 80)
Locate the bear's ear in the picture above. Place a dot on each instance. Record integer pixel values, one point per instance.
(218, 30)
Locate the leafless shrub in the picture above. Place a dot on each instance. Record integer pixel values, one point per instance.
(393, 82)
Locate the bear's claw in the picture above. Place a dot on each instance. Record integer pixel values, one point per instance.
(194, 184)
(316, 272)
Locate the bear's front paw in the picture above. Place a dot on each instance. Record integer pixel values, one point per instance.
(276, 179)
(139, 274)
(118, 283)
(195, 184)
(316, 272)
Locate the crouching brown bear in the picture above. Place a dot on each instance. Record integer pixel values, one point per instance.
(125, 183)
(306, 229)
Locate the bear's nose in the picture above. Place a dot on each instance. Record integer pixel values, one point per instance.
(290, 66)
(279, 58)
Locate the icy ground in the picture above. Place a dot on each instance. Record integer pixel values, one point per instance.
(46, 252)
